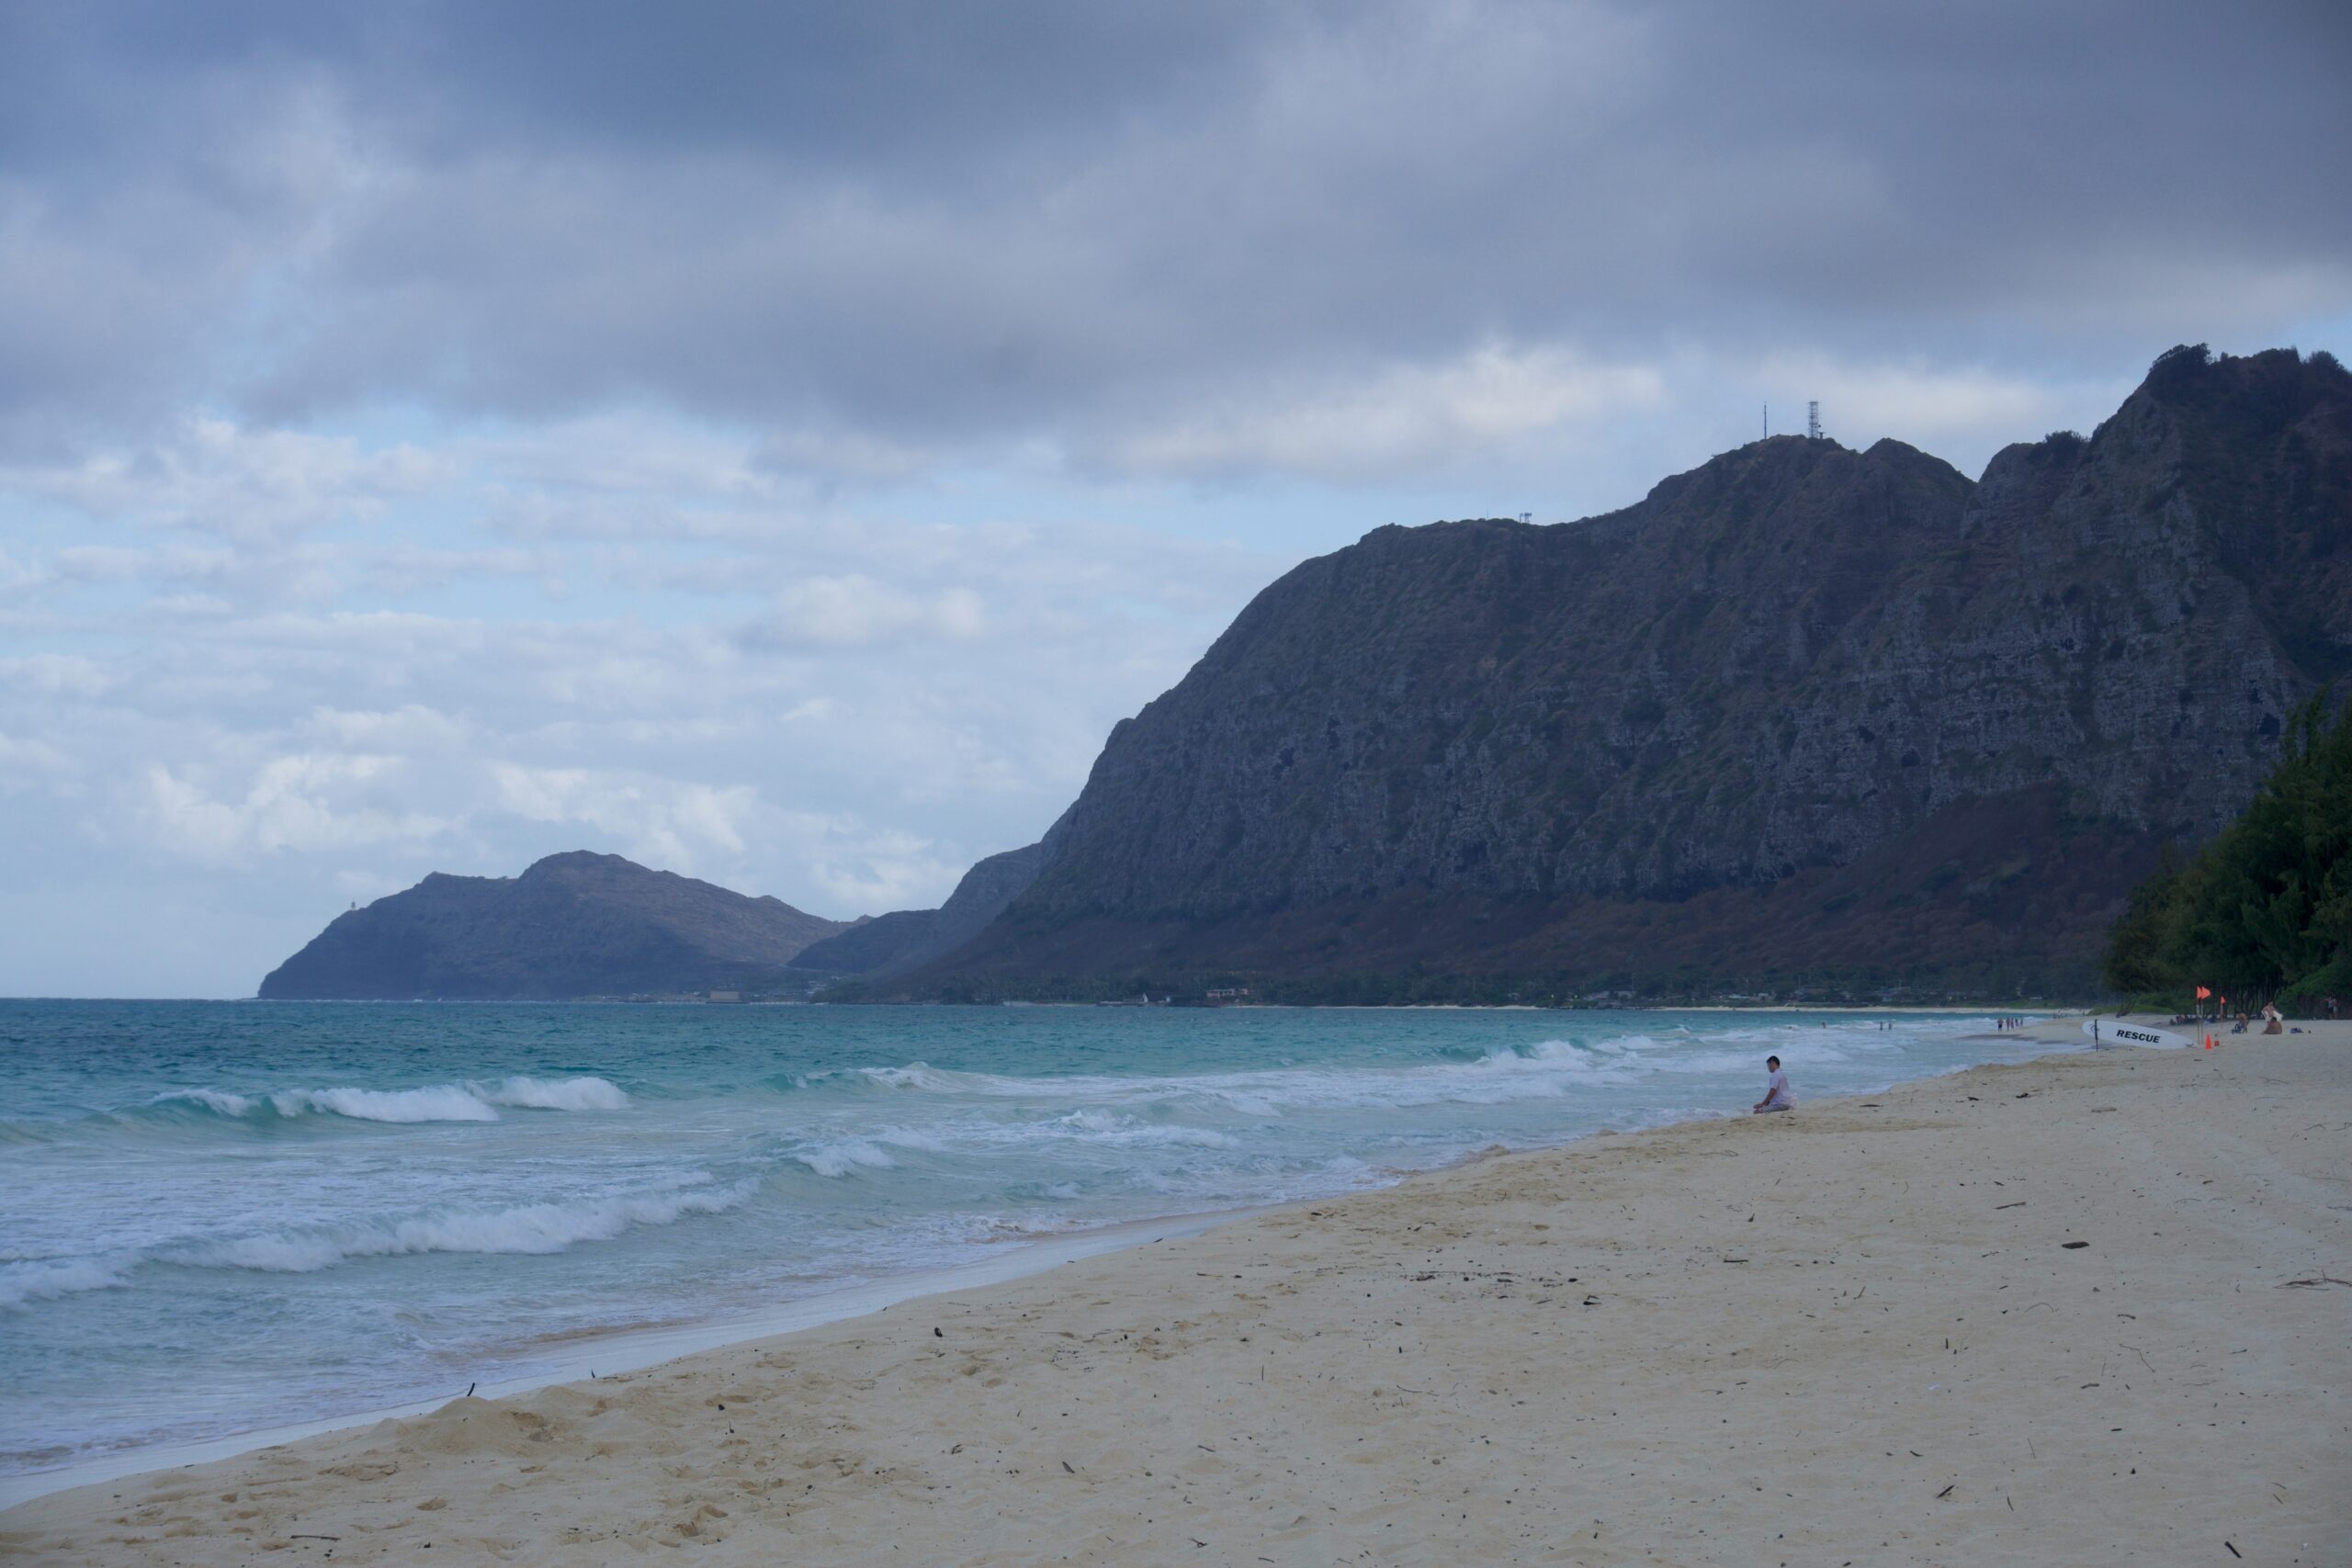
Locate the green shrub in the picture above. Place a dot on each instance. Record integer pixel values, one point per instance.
(2265, 908)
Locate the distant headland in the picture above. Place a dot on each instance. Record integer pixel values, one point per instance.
(572, 925)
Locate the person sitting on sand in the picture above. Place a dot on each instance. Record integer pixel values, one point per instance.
(1776, 1091)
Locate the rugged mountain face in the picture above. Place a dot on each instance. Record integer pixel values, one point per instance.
(1802, 712)
(903, 939)
(572, 925)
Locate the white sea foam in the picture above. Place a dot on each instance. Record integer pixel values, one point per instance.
(45, 1279)
(923, 1076)
(529, 1228)
(1540, 1070)
(214, 1101)
(556, 1094)
(1553, 1068)
(838, 1157)
(473, 1101)
(1098, 1126)
(441, 1102)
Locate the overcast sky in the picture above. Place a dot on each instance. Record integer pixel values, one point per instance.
(775, 443)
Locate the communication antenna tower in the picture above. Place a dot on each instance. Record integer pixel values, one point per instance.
(1813, 421)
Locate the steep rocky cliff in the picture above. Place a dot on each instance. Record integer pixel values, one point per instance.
(571, 925)
(1801, 714)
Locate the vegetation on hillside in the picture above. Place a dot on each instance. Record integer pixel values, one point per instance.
(2264, 911)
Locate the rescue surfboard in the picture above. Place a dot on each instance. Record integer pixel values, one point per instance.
(2107, 1034)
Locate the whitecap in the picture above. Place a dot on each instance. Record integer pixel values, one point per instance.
(530, 1229)
(1096, 1126)
(435, 1103)
(838, 1157)
(217, 1101)
(440, 1102)
(44, 1279)
(556, 1094)
(916, 1074)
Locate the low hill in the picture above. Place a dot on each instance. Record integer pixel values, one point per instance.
(572, 925)
(904, 940)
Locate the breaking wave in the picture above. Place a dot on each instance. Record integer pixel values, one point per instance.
(559, 1094)
(838, 1157)
(473, 1101)
(45, 1279)
(529, 1228)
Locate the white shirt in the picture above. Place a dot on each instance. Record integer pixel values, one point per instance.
(1776, 1089)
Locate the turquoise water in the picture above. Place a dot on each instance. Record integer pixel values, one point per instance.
(230, 1216)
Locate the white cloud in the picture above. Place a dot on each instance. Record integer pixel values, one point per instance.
(17, 575)
(306, 802)
(1956, 411)
(669, 823)
(248, 485)
(1401, 417)
(842, 456)
(58, 674)
(24, 761)
(121, 563)
(404, 568)
(857, 611)
(842, 863)
(407, 730)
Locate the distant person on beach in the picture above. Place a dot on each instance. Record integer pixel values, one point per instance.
(1776, 1089)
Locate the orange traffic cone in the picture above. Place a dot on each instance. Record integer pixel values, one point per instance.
(2209, 1041)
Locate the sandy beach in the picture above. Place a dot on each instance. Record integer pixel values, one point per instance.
(2089, 1309)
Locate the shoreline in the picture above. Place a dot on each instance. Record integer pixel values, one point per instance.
(628, 1350)
(621, 1351)
(1694, 1340)
(1989, 1006)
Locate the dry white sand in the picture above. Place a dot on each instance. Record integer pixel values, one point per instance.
(1855, 1334)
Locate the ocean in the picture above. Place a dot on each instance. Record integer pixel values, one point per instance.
(228, 1217)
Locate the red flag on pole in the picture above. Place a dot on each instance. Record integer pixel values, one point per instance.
(2203, 991)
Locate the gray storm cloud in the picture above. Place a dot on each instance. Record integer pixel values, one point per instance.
(948, 228)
